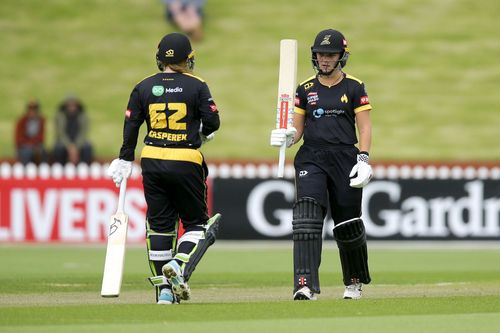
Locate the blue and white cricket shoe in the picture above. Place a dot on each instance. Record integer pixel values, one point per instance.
(173, 273)
(166, 297)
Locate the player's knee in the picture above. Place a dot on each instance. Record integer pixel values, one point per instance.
(308, 216)
(160, 243)
(350, 234)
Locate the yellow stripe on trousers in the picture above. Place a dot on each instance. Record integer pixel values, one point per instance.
(173, 154)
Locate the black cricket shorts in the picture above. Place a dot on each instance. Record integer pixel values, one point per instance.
(323, 174)
(174, 189)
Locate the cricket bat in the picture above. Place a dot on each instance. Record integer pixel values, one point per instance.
(115, 251)
(286, 92)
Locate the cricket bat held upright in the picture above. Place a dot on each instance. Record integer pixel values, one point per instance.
(115, 251)
(286, 92)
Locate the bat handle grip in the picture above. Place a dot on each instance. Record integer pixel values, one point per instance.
(281, 161)
(121, 196)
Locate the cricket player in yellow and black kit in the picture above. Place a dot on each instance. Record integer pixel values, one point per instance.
(330, 169)
(180, 115)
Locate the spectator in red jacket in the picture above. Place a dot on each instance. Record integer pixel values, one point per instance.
(30, 131)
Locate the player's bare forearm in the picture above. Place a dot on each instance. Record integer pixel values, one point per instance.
(298, 123)
(364, 130)
(365, 139)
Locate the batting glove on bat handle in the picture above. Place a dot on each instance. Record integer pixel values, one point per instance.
(362, 170)
(119, 169)
(206, 138)
(281, 135)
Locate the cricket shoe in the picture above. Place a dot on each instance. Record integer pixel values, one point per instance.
(353, 291)
(166, 297)
(304, 294)
(173, 273)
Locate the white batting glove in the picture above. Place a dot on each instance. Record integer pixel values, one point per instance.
(205, 138)
(363, 170)
(281, 135)
(119, 170)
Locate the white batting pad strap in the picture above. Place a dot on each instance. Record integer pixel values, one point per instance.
(160, 255)
(154, 233)
(345, 222)
(192, 236)
(158, 281)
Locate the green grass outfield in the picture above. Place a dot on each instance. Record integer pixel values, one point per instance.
(431, 68)
(246, 288)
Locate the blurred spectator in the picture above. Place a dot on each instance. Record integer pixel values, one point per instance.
(71, 133)
(30, 135)
(187, 16)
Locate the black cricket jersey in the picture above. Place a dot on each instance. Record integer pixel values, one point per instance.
(330, 111)
(173, 106)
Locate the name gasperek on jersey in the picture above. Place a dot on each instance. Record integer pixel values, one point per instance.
(167, 136)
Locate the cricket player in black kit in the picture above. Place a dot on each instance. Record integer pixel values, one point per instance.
(330, 169)
(180, 115)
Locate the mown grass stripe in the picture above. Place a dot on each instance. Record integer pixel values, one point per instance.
(127, 313)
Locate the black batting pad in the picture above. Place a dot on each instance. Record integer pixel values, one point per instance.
(307, 242)
(351, 241)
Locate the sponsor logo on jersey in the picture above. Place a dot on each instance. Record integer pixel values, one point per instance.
(318, 113)
(173, 90)
(308, 86)
(128, 113)
(364, 100)
(158, 90)
(303, 173)
(297, 101)
(343, 99)
(312, 98)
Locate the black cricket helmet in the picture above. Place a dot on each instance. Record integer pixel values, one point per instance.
(330, 41)
(174, 48)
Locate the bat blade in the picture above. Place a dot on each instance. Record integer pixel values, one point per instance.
(286, 82)
(115, 255)
(286, 92)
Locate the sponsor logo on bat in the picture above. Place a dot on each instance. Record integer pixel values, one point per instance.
(114, 226)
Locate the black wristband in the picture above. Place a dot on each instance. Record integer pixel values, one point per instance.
(363, 157)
